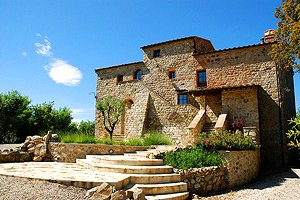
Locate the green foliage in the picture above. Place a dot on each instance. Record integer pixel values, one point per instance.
(61, 119)
(18, 118)
(107, 141)
(294, 133)
(226, 141)
(286, 52)
(195, 157)
(134, 142)
(87, 127)
(110, 108)
(14, 115)
(78, 138)
(156, 138)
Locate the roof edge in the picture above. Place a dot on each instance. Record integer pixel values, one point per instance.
(234, 48)
(117, 66)
(175, 40)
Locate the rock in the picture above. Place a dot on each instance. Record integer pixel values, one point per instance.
(197, 185)
(151, 156)
(118, 195)
(36, 151)
(193, 181)
(43, 151)
(209, 187)
(30, 145)
(37, 158)
(129, 194)
(47, 137)
(103, 192)
(90, 192)
(138, 194)
(31, 150)
(54, 138)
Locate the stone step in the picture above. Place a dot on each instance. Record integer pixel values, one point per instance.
(136, 155)
(124, 160)
(125, 169)
(161, 188)
(154, 178)
(173, 196)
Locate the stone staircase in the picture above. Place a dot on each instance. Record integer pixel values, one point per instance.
(155, 179)
(209, 127)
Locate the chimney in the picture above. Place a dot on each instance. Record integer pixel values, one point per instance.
(269, 36)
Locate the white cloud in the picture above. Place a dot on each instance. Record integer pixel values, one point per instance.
(44, 48)
(38, 35)
(24, 53)
(63, 73)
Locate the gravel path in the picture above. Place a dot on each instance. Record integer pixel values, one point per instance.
(280, 186)
(284, 185)
(15, 188)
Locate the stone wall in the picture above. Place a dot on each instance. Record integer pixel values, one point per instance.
(63, 152)
(267, 108)
(241, 103)
(204, 180)
(242, 167)
(15, 155)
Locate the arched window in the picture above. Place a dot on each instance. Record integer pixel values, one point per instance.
(138, 74)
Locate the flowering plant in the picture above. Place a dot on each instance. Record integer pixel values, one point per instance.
(238, 124)
(226, 140)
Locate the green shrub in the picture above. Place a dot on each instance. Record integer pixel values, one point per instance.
(156, 138)
(195, 157)
(107, 141)
(77, 138)
(134, 142)
(226, 141)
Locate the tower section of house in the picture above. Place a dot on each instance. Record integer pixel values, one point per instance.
(184, 87)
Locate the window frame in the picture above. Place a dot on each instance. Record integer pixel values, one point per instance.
(138, 74)
(182, 101)
(199, 76)
(156, 53)
(170, 73)
(119, 79)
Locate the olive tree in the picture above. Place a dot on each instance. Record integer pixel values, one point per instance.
(110, 108)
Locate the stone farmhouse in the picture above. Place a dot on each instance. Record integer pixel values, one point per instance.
(184, 86)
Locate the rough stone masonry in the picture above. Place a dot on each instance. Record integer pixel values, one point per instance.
(181, 77)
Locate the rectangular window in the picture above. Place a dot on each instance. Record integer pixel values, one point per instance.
(156, 53)
(120, 78)
(182, 99)
(201, 79)
(172, 74)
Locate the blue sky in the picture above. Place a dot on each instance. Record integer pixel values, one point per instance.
(50, 49)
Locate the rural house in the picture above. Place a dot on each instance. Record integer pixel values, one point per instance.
(185, 86)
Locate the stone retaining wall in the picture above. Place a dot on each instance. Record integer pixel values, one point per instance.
(203, 180)
(242, 167)
(13, 155)
(64, 152)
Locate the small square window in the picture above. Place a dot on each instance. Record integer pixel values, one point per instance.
(182, 99)
(120, 78)
(172, 74)
(156, 53)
